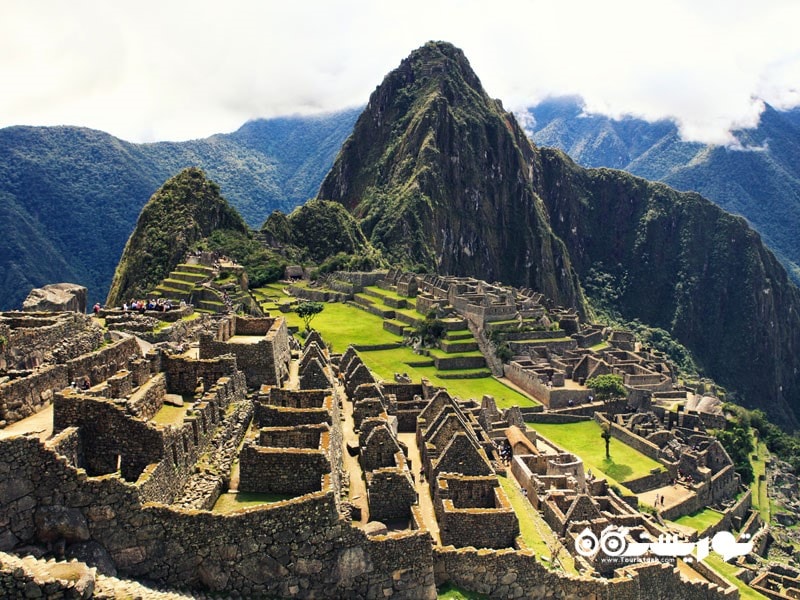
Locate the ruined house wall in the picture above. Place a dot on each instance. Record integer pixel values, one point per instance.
(22, 397)
(295, 398)
(303, 436)
(252, 325)
(529, 381)
(403, 392)
(390, 494)
(32, 337)
(264, 362)
(277, 416)
(294, 471)
(631, 439)
(294, 545)
(112, 432)
(101, 364)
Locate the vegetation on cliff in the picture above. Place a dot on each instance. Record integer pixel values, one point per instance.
(186, 209)
(440, 177)
(756, 176)
(677, 262)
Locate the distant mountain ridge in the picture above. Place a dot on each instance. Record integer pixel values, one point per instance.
(759, 179)
(70, 196)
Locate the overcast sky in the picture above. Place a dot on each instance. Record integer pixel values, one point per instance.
(175, 70)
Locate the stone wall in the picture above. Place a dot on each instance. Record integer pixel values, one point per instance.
(474, 511)
(293, 471)
(509, 574)
(265, 362)
(553, 398)
(644, 446)
(402, 391)
(183, 373)
(276, 551)
(278, 416)
(33, 338)
(24, 396)
(390, 494)
(20, 398)
(295, 398)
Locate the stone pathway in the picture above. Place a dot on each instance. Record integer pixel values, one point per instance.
(673, 494)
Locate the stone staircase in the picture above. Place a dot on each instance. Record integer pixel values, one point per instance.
(184, 282)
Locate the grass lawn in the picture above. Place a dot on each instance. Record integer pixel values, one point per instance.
(451, 592)
(535, 532)
(341, 325)
(389, 294)
(385, 363)
(759, 488)
(583, 439)
(170, 415)
(701, 520)
(728, 571)
(236, 501)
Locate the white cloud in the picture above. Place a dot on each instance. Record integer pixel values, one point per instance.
(177, 70)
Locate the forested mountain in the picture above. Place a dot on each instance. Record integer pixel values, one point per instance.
(440, 175)
(757, 178)
(69, 197)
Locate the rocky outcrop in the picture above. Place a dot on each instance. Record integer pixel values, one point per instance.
(56, 297)
(440, 177)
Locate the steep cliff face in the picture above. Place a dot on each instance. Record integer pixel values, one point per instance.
(676, 261)
(440, 176)
(186, 209)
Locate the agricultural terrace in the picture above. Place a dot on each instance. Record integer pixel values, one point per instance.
(343, 324)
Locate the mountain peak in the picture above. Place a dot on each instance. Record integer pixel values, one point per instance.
(187, 208)
(441, 177)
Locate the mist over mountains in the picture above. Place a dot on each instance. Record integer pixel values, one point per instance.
(757, 178)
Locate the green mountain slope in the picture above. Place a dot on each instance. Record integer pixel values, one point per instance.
(677, 261)
(440, 176)
(186, 209)
(77, 192)
(759, 180)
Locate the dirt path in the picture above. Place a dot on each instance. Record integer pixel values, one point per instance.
(352, 468)
(41, 423)
(423, 490)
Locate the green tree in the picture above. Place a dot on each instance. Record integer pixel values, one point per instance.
(431, 330)
(308, 310)
(606, 435)
(607, 387)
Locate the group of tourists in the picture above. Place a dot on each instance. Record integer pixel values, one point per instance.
(159, 304)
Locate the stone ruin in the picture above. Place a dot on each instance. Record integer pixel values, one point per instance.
(138, 470)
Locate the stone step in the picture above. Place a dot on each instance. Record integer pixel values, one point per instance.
(189, 276)
(186, 268)
(459, 346)
(178, 284)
